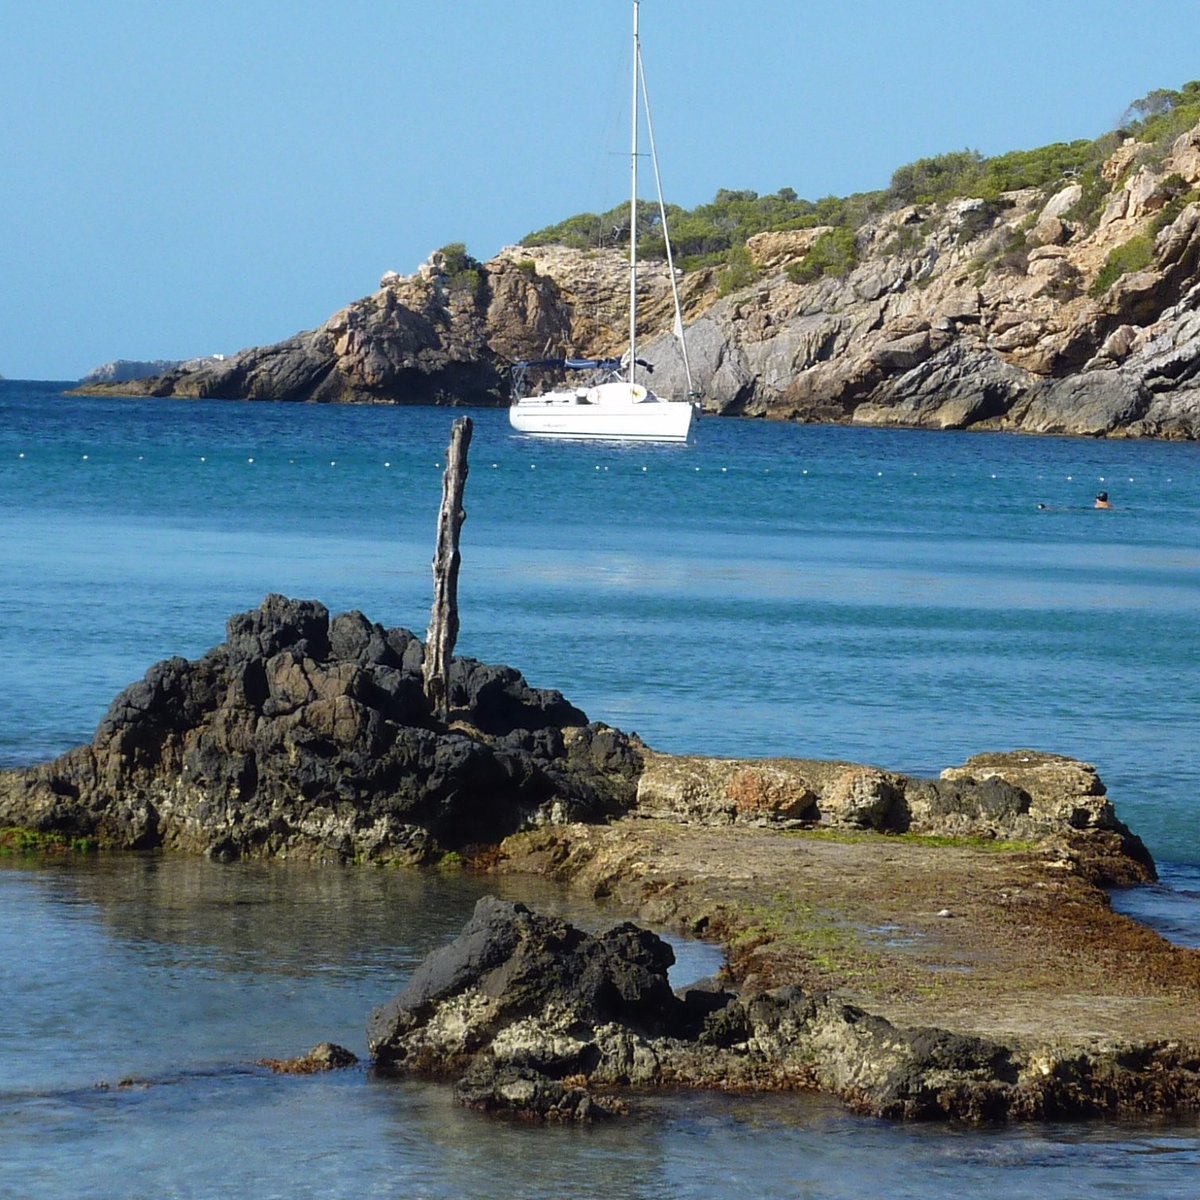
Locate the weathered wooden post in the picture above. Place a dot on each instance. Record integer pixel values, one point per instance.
(443, 621)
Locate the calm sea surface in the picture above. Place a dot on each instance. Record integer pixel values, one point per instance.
(882, 596)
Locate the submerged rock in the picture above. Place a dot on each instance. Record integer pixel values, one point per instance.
(328, 1056)
(303, 736)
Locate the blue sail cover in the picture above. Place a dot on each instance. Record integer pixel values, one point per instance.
(575, 364)
(572, 364)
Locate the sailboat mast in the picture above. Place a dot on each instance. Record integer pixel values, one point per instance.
(633, 158)
(662, 213)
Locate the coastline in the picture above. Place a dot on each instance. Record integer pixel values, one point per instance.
(937, 948)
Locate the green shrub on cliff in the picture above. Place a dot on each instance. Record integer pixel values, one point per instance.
(1162, 115)
(1133, 255)
(967, 174)
(929, 180)
(833, 253)
(1095, 191)
(738, 273)
(464, 274)
(711, 234)
(1178, 196)
(704, 236)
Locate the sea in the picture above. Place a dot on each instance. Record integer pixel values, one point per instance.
(897, 597)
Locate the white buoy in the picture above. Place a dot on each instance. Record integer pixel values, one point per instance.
(85, 458)
(249, 460)
(203, 459)
(333, 462)
(387, 464)
(22, 455)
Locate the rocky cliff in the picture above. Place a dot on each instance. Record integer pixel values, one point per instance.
(125, 370)
(1043, 311)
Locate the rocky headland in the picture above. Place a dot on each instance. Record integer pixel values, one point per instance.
(918, 947)
(126, 370)
(1044, 310)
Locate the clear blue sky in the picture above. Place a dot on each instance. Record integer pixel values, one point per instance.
(182, 178)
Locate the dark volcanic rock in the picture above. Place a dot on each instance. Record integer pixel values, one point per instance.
(510, 963)
(309, 737)
(544, 1021)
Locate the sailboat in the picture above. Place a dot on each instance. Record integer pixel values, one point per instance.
(619, 406)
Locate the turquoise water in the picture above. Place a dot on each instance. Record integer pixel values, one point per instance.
(885, 596)
(139, 991)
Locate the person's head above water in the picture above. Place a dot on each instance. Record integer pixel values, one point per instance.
(1102, 500)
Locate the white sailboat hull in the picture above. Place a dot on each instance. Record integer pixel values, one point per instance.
(618, 409)
(610, 412)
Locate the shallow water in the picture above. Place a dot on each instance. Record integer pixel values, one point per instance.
(139, 990)
(882, 596)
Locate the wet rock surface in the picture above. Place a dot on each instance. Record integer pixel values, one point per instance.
(542, 1021)
(327, 1056)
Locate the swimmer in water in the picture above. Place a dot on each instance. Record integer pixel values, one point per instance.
(1102, 500)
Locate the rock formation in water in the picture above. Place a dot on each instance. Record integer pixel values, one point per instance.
(538, 1019)
(970, 314)
(305, 737)
(1022, 795)
(311, 737)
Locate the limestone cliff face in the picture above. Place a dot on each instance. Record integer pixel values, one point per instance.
(961, 315)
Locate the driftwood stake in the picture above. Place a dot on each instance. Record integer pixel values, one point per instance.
(443, 621)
